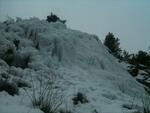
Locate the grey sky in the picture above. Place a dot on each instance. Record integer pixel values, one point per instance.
(129, 20)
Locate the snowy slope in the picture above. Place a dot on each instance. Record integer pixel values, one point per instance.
(78, 60)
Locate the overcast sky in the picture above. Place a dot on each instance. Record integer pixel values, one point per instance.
(129, 20)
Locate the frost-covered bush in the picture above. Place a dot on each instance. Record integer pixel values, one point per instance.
(9, 21)
(79, 98)
(21, 83)
(25, 60)
(64, 111)
(37, 46)
(21, 60)
(18, 19)
(9, 87)
(17, 59)
(16, 43)
(8, 56)
(57, 50)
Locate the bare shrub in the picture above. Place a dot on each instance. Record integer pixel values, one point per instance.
(80, 98)
(47, 98)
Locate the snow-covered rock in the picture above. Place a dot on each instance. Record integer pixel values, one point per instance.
(79, 62)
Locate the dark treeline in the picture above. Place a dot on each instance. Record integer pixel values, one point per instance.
(138, 61)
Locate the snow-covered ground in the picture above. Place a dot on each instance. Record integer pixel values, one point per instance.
(74, 61)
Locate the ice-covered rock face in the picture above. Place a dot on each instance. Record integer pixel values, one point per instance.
(36, 48)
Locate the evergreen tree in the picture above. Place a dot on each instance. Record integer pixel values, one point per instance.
(126, 56)
(54, 18)
(113, 44)
(143, 58)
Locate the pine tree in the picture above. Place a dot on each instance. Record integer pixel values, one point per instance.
(143, 58)
(113, 44)
(54, 18)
